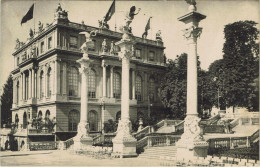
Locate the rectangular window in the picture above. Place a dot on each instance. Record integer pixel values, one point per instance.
(17, 61)
(42, 47)
(73, 42)
(138, 53)
(50, 43)
(151, 56)
(93, 46)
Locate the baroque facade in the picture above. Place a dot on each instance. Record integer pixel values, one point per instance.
(47, 80)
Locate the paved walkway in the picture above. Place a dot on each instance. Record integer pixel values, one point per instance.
(64, 158)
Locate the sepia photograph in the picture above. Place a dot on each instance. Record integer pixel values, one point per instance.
(129, 83)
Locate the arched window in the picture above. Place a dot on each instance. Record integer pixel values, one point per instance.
(138, 88)
(151, 89)
(24, 120)
(16, 120)
(49, 82)
(73, 120)
(73, 80)
(17, 92)
(47, 114)
(117, 85)
(118, 115)
(41, 84)
(92, 84)
(40, 114)
(93, 120)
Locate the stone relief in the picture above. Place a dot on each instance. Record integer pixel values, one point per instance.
(192, 32)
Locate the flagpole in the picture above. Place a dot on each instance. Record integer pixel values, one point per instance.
(34, 16)
(115, 15)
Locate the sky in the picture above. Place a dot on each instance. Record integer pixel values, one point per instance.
(164, 15)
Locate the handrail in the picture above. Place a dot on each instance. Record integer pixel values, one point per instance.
(179, 126)
(145, 130)
(254, 136)
(234, 123)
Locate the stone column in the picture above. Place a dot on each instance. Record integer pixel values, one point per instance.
(133, 84)
(104, 79)
(111, 81)
(192, 144)
(30, 84)
(23, 85)
(33, 83)
(20, 89)
(57, 76)
(14, 91)
(82, 140)
(124, 143)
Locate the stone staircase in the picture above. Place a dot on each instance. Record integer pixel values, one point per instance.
(159, 152)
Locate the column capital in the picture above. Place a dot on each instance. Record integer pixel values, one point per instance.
(192, 32)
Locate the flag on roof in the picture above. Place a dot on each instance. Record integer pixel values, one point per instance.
(28, 15)
(111, 11)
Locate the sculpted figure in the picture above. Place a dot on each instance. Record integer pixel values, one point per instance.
(17, 46)
(112, 48)
(31, 33)
(89, 37)
(104, 46)
(158, 36)
(103, 24)
(40, 26)
(128, 20)
(191, 2)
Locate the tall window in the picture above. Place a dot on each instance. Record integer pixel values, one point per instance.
(92, 48)
(49, 42)
(91, 84)
(42, 47)
(49, 82)
(24, 120)
(93, 120)
(26, 86)
(17, 92)
(138, 53)
(40, 114)
(117, 85)
(41, 84)
(47, 114)
(17, 61)
(151, 56)
(151, 89)
(73, 77)
(73, 42)
(73, 120)
(138, 88)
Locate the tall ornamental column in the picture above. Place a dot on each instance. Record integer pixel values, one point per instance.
(33, 82)
(192, 144)
(23, 74)
(124, 144)
(29, 96)
(82, 140)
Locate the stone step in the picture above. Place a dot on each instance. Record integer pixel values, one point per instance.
(159, 152)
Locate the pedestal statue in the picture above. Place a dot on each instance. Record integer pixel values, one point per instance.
(124, 144)
(82, 140)
(192, 143)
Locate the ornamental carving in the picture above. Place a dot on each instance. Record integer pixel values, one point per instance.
(126, 54)
(124, 131)
(192, 129)
(193, 32)
(84, 70)
(83, 129)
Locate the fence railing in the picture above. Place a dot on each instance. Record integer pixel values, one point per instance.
(39, 131)
(162, 140)
(51, 145)
(104, 139)
(214, 129)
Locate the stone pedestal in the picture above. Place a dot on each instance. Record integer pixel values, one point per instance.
(192, 144)
(124, 144)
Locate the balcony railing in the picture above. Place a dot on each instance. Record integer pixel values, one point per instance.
(40, 131)
(50, 145)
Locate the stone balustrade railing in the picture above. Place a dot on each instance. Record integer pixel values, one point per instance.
(160, 140)
(179, 126)
(47, 145)
(143, 132)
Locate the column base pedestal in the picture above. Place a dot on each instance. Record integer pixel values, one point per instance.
(82, 140)
(124, 144)
(191, 150)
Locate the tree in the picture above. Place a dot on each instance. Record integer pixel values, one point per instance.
(240, 67)
(173, 87)
(6, 102)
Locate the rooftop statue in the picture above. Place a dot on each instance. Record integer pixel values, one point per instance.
(40, 26)
(18, 44)
(126, 29)
(104, 46)
(31, 33)
(103, 24)
(158, 35)
(59, 13)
